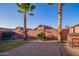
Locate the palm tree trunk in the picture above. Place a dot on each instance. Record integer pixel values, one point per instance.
(25, 30)
(60, 22)
(44, 31)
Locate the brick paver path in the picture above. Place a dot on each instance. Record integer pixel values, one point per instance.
(36, 49)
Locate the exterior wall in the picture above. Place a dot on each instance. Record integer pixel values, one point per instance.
(65, 33)
(18, 31)
(50, 34)
(41, 29)
(32, 33)
(77, 29)
(71, 30)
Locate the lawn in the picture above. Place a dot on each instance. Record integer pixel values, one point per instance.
(10, 44)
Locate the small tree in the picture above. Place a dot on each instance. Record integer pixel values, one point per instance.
(41, 35)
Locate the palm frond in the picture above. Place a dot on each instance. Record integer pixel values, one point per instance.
(18, 4)
(31, 14)
(32, 7)
(25, 7)
(62, 4)
(20, 11)
(50, 3)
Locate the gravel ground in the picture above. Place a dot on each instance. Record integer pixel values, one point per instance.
(38, 49)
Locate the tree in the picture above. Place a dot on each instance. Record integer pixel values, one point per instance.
(25, 8)
(60, 38)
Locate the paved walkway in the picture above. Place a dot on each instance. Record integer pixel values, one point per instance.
(36, 49)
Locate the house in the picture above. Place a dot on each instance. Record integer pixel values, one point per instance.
(65, 33)
(41, 28)
(73, 33)
(74, 29)
(18, 30)
(50, 33)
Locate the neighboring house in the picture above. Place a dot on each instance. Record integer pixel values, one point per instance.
(74, 29)
(50, 33)
(32, 34)
(41, 28)
(73, 32)
(19, 30)
(65, 33)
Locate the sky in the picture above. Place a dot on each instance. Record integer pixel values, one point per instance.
(43, 14)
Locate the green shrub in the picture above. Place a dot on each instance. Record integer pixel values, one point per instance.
(41, 35)
(7, 35)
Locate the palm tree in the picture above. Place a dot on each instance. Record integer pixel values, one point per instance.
(25, 8)
(60, 38)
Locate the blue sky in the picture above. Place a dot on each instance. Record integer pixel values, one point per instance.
(43, 14)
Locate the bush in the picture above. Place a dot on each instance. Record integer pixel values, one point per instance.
(7, 35)
(41, 35)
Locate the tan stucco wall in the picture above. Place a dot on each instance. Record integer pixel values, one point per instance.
(76, 29)
(71, 30)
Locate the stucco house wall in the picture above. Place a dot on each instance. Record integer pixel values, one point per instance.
(77, 29)
(73, 32)
(74, 29)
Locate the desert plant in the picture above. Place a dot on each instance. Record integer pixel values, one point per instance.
(41, 35)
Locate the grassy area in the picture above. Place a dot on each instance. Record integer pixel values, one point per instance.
(10, 44)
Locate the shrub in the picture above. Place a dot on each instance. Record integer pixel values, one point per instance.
(7, 35)
(41, 35)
